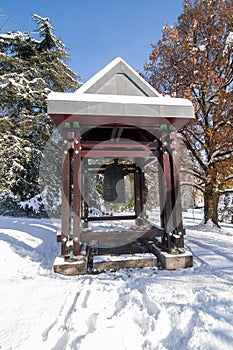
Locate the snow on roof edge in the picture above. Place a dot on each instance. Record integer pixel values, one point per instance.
(73, 97)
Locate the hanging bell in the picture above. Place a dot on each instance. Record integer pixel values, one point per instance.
(114, 186)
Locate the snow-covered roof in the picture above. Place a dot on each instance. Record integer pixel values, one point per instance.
(118, 78)
(119, 91)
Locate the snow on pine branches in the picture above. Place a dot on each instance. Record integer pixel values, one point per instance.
(31, 65)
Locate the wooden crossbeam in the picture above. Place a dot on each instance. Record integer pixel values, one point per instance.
(116, 153)
(111, 218)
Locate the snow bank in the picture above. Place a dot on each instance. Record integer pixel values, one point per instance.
(130, 309)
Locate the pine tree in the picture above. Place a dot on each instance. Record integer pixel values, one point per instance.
(226, 208)
(194, 59)
(54, 70)
(31, 65)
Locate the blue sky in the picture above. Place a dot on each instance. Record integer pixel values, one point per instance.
(97, 31)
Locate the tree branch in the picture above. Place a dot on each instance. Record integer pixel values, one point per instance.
(198, 187)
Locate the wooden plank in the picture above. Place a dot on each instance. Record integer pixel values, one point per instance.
(94, 167)
(116, 144)
(108, 239)
(92, 153)
(130, 248)
(153, 232)
(149, 232)
(111, 218)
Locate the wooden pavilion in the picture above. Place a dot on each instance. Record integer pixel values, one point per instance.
(118, 117)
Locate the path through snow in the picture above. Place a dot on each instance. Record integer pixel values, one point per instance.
(130, 309)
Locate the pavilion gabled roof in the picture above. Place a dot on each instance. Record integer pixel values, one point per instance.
(118, 94)
(118, 78)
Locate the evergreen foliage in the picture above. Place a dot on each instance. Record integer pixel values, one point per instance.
(226, 209)
(31, 65)
(194, 59)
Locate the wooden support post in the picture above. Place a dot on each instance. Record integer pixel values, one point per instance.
(162, 189)
(77, 196)
(138, 196)
(171, 215)
(177, 211)
(85, 193)
(168, 205)
(166, 188)
(143, 194)
(66, 199)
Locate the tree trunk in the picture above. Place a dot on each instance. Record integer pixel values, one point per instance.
(211, 201)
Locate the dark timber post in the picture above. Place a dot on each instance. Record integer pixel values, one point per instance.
(143, 194)
(66, 195)
(171, 217)
(85, 193)
(177, 212)
(138, 195)
(166, 186)
(166, 195)
(77, 195)
(162, 188)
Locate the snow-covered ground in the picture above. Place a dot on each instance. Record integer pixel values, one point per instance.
(130, 309)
